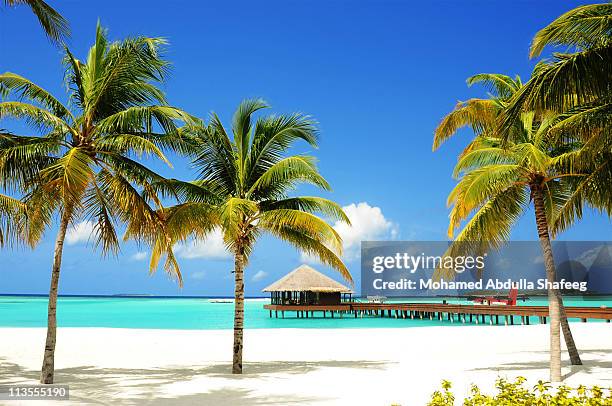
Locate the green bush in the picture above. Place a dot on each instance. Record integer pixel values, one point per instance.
(515, 393)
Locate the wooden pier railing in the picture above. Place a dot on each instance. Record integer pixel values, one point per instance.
(493, 314)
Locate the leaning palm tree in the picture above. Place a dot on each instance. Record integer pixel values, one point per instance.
(483, 116)
(498, 180)
(56, 27)
(243, 190)
(83, 161)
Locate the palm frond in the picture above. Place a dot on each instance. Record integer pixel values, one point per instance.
(120, 75)
(194, 191)
(312, 246)
(484, 156)
(73, 77)
(215, 158)
(233, 216)
(40, 205)
(587, 123)
(309, 204)
(12, 220)
(592, 189)
(71, 174)
(117, 144)
(477, 187)
(285, 174)
(479, 114)
(303, 222)
(140, 119)
(582, 27)
(273, 136)
(489, 227)
(25, 89)
(56, 27)
(570, 80)
(241, 125)
(130, 206)
(98, 207)
(22, 158)
(38, 117)
(502, 86)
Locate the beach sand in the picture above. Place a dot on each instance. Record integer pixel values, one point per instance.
(295, 366)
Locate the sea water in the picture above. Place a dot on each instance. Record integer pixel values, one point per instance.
(204, 313)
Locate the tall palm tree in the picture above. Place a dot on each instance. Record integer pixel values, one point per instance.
(56, 27)
(497, 181)
(482, 116)
(243, 190)
(84, 162)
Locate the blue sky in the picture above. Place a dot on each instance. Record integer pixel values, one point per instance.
(377, 75)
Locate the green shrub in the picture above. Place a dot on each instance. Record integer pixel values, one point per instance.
(515, 393)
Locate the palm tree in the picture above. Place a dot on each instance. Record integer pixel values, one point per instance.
(84, 162)
(56, 27)
(243, 190)
(496, 185)
(482, 116)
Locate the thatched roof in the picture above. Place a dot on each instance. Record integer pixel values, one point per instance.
(306, 279)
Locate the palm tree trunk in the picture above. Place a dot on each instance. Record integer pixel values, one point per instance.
(553, 302)
(238, 310)
(48, 366)
(567, 333)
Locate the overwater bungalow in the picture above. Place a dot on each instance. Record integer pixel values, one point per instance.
(305, 286)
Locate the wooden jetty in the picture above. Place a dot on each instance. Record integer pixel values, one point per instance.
(480, 314)
(307, 292)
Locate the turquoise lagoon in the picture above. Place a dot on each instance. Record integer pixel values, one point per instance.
(200, 313)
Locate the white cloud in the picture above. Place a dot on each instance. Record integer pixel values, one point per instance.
(212, 247)
(259, 275)
(139, 256)
(80, 233)
(198, 275)
(367, 224)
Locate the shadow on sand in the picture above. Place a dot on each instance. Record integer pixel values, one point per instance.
(112, 386)
(603, 361)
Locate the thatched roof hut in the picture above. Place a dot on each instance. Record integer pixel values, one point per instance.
(305, 285)
(306, 279)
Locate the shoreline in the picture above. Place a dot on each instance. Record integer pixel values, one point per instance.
(296, 365)
(129, 296)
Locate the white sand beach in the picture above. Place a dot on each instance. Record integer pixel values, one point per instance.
(295, 366)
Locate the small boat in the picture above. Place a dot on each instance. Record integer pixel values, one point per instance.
(220, 301)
